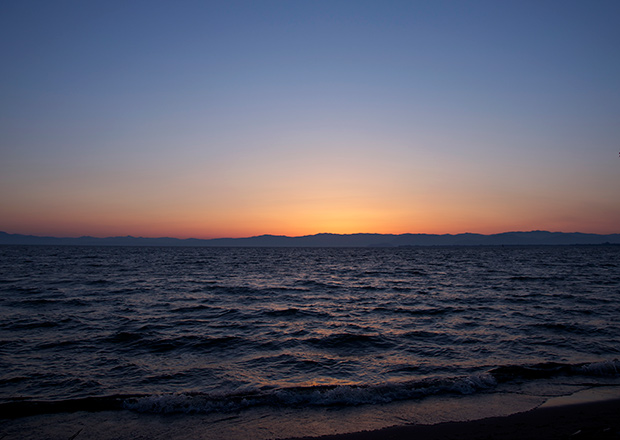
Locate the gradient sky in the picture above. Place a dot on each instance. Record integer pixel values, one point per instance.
(228, 119)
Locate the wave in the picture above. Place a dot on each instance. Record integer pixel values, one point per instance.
(144, 341)
(350, 341)
(285, 312)
(315, 396)
(195, 308)
(29, 324)
(25, 408)
(534, 278)
(560, 327)
(552, 369)
(313, 284)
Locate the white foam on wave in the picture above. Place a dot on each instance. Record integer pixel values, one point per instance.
(343, 395)
(604, 368)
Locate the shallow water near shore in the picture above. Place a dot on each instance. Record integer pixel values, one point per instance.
(265, 423)
(290, 342)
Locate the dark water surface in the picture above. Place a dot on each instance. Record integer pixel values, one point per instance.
(221, 330)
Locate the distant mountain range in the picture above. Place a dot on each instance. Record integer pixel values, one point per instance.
(333, 240)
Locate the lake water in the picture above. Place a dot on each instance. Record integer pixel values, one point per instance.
(222, 334)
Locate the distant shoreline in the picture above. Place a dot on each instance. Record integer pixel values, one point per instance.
(530, 238)
(603, 245)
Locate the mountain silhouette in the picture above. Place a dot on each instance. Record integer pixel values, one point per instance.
(332, 240)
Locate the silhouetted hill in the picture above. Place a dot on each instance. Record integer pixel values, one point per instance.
(333, 240)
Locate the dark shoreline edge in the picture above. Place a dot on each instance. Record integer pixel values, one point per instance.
(515, 238)
(595, 420)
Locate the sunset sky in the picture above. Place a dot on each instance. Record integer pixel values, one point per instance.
(230, 119)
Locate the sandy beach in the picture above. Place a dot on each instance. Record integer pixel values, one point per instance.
(590, 414)
(592, 420)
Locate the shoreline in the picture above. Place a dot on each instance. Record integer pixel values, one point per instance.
(598, 419)
(583, 421)
(592, 413)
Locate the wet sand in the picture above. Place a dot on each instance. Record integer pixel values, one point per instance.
(592, 420)
(590, 414)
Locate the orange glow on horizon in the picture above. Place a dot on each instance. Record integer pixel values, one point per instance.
(296, 201)
(299, 222)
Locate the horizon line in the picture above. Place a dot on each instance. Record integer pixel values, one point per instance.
(306, 235)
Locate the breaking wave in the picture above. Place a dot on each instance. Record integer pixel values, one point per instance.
(314, 396)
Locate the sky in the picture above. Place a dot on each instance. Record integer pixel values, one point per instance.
(238, 118)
